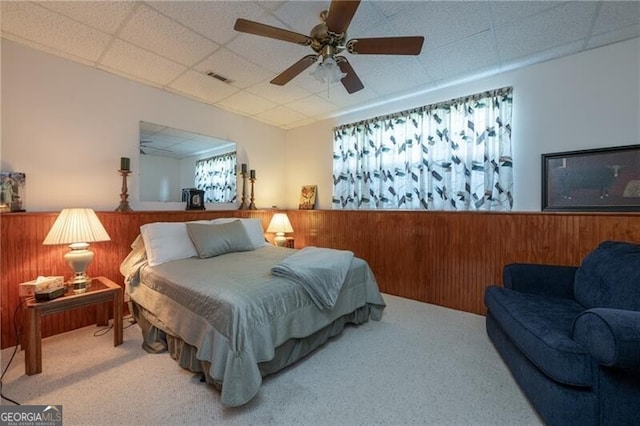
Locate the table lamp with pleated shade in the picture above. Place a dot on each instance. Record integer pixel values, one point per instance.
(78, 228)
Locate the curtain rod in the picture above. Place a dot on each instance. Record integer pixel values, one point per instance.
(495, 92)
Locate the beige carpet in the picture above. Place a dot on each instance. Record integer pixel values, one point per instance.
(421, 364)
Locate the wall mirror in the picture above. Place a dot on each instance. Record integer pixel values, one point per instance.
(172, 160)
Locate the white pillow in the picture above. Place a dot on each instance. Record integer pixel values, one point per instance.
(253, 227)
(167, 241)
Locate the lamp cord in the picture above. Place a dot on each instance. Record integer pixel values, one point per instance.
(15, 350)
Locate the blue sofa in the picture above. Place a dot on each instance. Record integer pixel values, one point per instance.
(571, 335)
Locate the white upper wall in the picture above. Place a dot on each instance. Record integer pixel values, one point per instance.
(66, 125)
(588, 100)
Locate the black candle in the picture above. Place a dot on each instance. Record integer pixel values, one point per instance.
(124, 163)
(244, 168)
(253, 174)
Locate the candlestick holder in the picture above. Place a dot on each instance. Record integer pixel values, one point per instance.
(244, 205)
(124, 204)
(252, 205)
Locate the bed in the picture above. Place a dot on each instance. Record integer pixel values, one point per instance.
(217, 300)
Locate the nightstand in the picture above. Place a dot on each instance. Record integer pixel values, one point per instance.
(101, 292)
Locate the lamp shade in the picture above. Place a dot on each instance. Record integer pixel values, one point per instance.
(76, 226)
(280, 223)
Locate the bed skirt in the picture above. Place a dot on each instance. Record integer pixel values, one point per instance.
(157, 340)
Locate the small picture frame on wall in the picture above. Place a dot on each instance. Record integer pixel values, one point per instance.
(308, 197)
(606, 179)
(12, 192)
(195, 199)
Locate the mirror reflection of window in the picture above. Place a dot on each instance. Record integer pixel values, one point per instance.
(216, 176)
(168, 160)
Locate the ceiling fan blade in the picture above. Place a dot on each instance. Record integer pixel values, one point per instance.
(264, 30)
(350, 81)
(386, 45)
(340, 14)
(287, 75)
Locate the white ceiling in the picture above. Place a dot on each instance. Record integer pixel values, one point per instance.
(174, 44)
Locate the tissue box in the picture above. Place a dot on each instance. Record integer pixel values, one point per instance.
(29, 288)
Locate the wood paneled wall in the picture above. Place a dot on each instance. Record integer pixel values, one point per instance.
(23, 257)
(436, 257)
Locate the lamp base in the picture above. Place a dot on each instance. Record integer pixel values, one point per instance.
(78, 258)
(80, 283)
(279, 240)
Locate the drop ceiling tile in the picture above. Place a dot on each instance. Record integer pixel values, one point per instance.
(312, 106)
(626, 33)
(274, 55)
(366, 64)
(152, 31)
(247, 103)
(549, 29)
(616, 15)
(105, 16)
(442, 22)
(212, 19)
(543, 55)
(398, 78)
(391, 8)
(133, 60)
(368, 20)
(270, 4)
(505, 12)
(278, 94)
(339, 96)
(240, 71)
(475, 52)
(39, 25)
(202, 87)
(280, 116)
(300, 16)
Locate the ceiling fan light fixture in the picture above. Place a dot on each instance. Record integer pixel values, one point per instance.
(328, 71)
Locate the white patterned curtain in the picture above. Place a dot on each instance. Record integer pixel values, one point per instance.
(216, 176)
(450, 156)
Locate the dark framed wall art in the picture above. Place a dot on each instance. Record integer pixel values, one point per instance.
(606, 179)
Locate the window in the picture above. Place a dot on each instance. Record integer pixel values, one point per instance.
(450, 156)
(216, 176)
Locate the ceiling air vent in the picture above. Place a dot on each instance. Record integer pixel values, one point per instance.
(218, 77)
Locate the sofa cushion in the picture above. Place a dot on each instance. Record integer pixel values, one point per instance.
(609, 277)
(541, 328)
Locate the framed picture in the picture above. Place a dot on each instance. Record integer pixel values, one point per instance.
(308, 197)
(12, 192)
(195, 199)
(606, 179)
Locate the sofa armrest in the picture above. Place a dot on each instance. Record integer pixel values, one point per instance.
(545, 280)
(612, 336)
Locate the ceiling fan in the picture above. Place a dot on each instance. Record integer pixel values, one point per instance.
(145, 144)
(329, 38)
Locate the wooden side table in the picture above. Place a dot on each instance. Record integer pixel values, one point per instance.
(101, 291)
